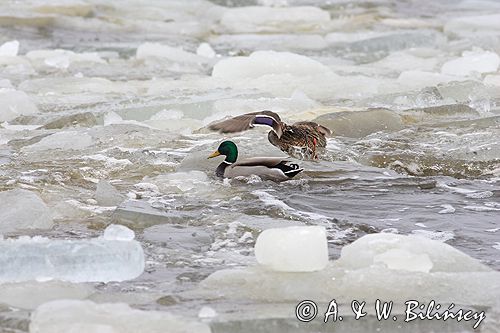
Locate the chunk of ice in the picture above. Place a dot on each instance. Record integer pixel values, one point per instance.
(14, 104)
(62, 59)
(492, 80)
(472, 61)
(205, 50)
(64, 140)
(29, 295)
(474, 25)
(390, 266)
(207, 312)
(9, 49)
(170, 53)
(269, 19)
(357, 124)
(107, 195)
(23, 209)
(293, 249)
(404, 260)
(118, 232)
(92, 260)
(86, 316)
(262, 63)
(415, 79)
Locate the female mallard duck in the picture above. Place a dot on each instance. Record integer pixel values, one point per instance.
(299, 140)
(274, 168)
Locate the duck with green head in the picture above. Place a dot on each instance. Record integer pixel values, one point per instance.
(273, 168)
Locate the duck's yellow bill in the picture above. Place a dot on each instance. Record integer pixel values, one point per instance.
(214, 154)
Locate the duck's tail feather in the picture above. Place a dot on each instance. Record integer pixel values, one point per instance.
(290, 170)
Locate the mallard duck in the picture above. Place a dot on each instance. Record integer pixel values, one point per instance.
(299, 140)
(273, 168)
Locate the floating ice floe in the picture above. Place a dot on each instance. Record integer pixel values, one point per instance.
(282, 73)
(205, 50)
(15, 103)
(263, 63)
(386, 266)
(86, 316)
(269, 19)
(276, 42)
(75, 85)
(492, 80)
(23, 209)
(9, 49)
(62, 59)
(174, 54)
(107, 195)
(361, 123)
(182, 182)
(472, 61)
(416, 79)
(64, 140)
(30, 294)
(474, 25)
(293, 249)
(115, 257)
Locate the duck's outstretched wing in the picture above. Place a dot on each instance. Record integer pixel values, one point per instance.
(248, 121)
(315, 126)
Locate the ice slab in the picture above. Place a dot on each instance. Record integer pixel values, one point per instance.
(276, 42)
(118, 232)
(14, 104)
(170, 53)
(85, 317)
(274, 19)
(293, 249)
(193, 181)
(473, 25)
(386, 266)
(29, 295)
(72, 85)
(192, 238)
(9, 49)
(90, 260)
(140, 214)
(23, 209)
(62, 59)
(64, 140)
(472, 61)
(261, 63)
(357, 124)
(205, 50)
(416, 79)
(492, 80)
(107, 195)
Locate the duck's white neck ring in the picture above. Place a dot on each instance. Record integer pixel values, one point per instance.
(227, 162)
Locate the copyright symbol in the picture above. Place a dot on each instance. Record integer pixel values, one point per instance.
(306, 311)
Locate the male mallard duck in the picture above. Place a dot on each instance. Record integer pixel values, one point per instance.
(274, 168)
(298, 140)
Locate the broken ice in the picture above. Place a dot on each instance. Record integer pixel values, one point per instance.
(116, 257)
(388, 266)
(23, 209)
(74, 316)
(293, 249)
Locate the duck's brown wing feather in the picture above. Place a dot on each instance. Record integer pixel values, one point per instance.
(248, 121)
(314, 126)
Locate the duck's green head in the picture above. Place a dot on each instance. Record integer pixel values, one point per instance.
(228, 149)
